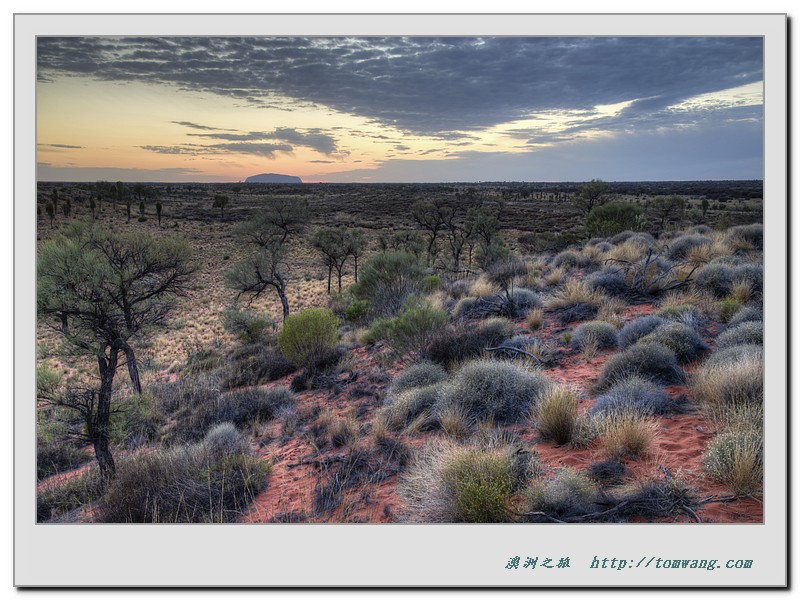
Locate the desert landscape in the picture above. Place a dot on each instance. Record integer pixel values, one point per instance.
(400, 353)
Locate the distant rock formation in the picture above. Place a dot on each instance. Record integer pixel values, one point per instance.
(273, 178)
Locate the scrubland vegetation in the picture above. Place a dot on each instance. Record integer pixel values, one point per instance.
(443, 353)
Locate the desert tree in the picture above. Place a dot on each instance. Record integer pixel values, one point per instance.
(402, 241)
(591, 194)
(287, 215)
(66, 208)
(265, 269)
(261, 271)
(93, 207)
(356, 244)
(432, 216)
(460, 233)
(158, 212)
(667, 208)
(51, 212)
(102, 292)
(220, 202)
(333, 244)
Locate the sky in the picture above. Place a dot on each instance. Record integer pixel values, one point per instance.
(375, 109)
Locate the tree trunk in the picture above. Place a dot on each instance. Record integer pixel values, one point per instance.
(330, 271)
(133, 369)
(100, 429)
(281, 287)
(339, 279)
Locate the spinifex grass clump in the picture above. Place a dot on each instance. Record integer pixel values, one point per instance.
(636, 394)
(411, 406)
(574, 301)
(735, 378)
(683, 340)
(650, 360)
(626, 433)
(493, 390)
(749, 332)
(714, 278)
(599, 334)
(609, 280)
(567, 494)
(420, 374)
(680, 247)
(555, 414)
(634, 330)
(736, 459)
(447, 482)
(746, 314)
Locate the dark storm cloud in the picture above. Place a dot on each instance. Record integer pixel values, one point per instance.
(422, 85)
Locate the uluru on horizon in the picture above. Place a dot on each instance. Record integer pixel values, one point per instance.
(273, 178)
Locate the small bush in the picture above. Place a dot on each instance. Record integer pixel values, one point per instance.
(555, 414)
(253, 364)
(307, 335)
(639, 395)
(519, 303)
(569, 493)
(609, 472)
(418, 375)
(715, 279)
(246, 325)
(357, 311)
(635, 330)
(597, 333)
(343, 432)
(728, 307)
(224, 440)
(680, 248)
(736, 459)
(182, 485)
(413, 328)
(568, 259)
(493, 390)
(244, 406)
(451, 346)
(746, 314)
(650, 360)
(137, 421)
(387, 279)
(683, 340)
(749, 332)
(614, 217)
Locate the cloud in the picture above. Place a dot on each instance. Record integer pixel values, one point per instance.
(196, 126)
(69, 146)
(259, 149)
(444, 86)
(312, 138)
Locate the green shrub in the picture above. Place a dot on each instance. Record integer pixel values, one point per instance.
(683, 340)
(357, 311)
(597, 333)
(749, 332)
(611, 218)
(137, 421)
(736, 459)
(246, 325)
(650, 360)
(387, 279)
(569, 493)
(493, 390)
(431, 283)
(306, 336)
(481, 483)
(413, 328)
(728, 307)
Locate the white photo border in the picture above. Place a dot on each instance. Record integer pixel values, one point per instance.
(397, 555)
